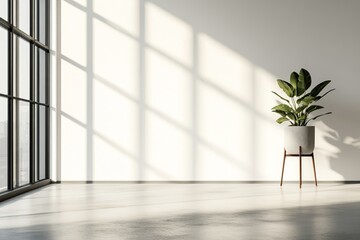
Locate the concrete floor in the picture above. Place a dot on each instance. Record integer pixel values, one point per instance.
(183, 211)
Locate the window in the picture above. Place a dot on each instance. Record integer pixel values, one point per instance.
(22, 68)
(22, 15)
(3, 61)
(23, 143)
(24, 94)
(3, 9)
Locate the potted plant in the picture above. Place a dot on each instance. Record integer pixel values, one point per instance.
(298, 110)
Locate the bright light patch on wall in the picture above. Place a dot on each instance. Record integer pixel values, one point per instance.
(168, 88)
(73, 151)
(73, 33)
(226, 125)
(355, 142)
(268, 150)
(168, 150)
(225, 68)
(213, 165)
(123, 13)
(120, 166)
(73, 91)
(80, 2)
(169, 34)
(264, 83)
(115, 118)
(116, 58)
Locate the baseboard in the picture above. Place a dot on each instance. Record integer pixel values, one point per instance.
(205, 182)
(21, 190)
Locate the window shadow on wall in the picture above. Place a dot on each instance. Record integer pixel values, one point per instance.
(176, 117)
(163, 92)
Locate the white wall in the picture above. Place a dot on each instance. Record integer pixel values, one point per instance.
(180, 90)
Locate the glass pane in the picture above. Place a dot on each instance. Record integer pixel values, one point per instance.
(22, 15)
(36, 70)
(4, 9)
(3, 61)
(22, 73)
(36, 145)
(3, 143)
(23, 141)
(42, 76)
(41, 34)
(42, 142)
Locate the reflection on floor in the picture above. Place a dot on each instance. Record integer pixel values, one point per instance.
(183, 211)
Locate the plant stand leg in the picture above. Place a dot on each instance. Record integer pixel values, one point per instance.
(313, 161)
(283, 166)
(300, 183)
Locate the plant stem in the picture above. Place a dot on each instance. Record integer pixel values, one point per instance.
(294, 107)
(294, 104)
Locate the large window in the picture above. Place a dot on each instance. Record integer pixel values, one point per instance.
(24, 95)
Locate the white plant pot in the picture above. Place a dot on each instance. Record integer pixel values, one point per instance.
(296, 136)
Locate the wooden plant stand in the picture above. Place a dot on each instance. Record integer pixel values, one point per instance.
(300, 155)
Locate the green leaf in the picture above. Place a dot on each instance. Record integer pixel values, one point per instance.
(320, 97)
(294, 78)
(286, 87)
(282, 119)
(304, 82)
(280, 97)
(282, 107)
(306, 101)
(313, 108)
(316, 90)
(300, 99)
(300, 120)
(303, 120)
(328, 92)
(301, 108)
(314, 118)
(291, 115)
(282, 113)
(302, 117)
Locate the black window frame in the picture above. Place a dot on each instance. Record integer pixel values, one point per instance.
(33, 38)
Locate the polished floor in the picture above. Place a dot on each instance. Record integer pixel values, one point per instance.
(183, 211)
